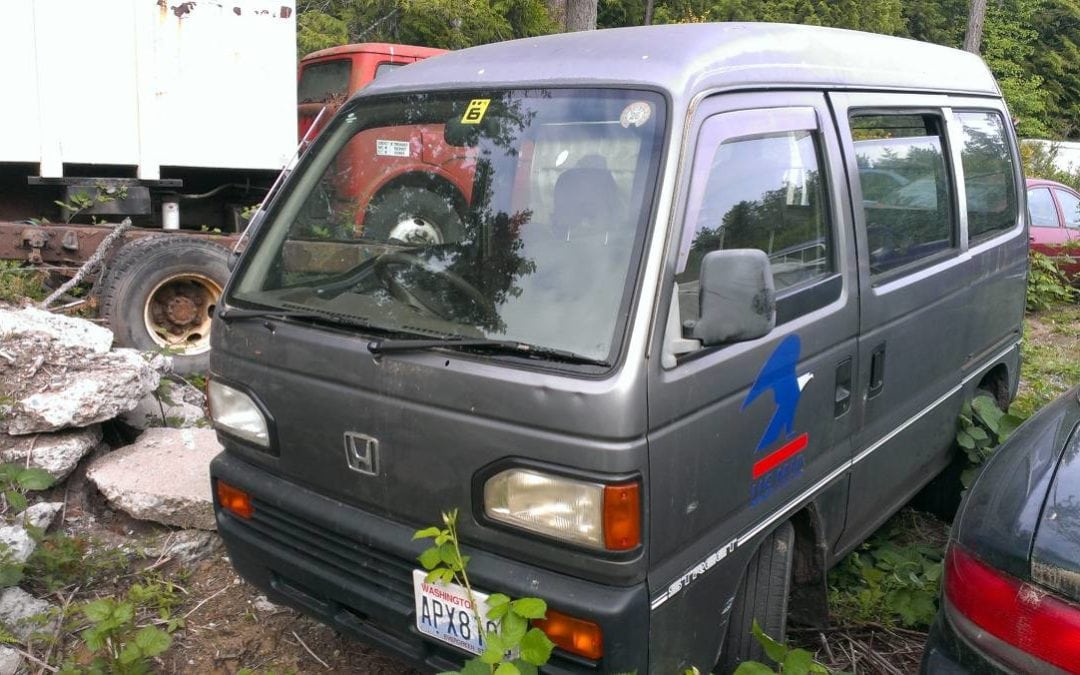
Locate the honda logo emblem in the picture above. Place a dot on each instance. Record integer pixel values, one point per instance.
(362, 453)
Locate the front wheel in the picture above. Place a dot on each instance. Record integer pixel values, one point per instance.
(763, 595)
(158, 295)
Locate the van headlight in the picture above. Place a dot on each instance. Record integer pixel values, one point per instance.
(596, 515)
(234, 412)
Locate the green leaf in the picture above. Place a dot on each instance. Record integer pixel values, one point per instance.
(816, 667)
(152, 641)
(1008, 424)
(475, 667)
(10, 575)
(525, 667)
(98, 610)
(978, 434)
(426, 533)
(498, 612)
(448, 555)
(433, 575)
(797, 662)
(753, 668)
(430, 558)
(507, 669)
(964, 440)
(536, 647)
(492, 654)
(529, 608)
(773, 649)
(513, 629)
(988, 412)
(35, 479)
(129, 654)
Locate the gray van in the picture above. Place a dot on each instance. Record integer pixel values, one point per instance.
(676, 316)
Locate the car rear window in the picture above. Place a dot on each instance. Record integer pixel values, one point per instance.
(321, 82)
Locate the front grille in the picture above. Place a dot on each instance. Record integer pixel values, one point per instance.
(382, 573)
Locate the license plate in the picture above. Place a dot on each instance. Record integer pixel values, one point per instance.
(443, 612)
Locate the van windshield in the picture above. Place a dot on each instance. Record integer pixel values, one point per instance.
(509, 215)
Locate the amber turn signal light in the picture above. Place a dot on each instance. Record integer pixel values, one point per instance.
(622, 516)
(576, 636)
(234, 500)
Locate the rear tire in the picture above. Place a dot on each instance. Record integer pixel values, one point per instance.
(763, 595)
(158, 293)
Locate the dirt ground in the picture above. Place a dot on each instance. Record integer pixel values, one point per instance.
(228, 627)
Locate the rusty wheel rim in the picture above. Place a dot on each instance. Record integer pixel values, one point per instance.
(177, 313)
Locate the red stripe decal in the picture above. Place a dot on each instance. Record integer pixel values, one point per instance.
(775, 459)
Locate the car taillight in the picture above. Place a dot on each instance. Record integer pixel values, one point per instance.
(1019, 614)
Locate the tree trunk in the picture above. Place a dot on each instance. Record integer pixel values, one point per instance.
(580, 15)
(557, 12)
(976, 16)
(649, 12)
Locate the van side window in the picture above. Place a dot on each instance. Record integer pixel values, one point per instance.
(988, 175)
(907, 200)
(764, 192)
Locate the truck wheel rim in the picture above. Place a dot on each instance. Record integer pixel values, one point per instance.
(177, 313)
(416, 230)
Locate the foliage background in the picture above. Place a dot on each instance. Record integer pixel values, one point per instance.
(1032, 46)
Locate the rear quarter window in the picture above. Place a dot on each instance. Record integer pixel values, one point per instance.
(989, 178)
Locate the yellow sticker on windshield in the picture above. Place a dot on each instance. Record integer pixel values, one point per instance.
(474, 112)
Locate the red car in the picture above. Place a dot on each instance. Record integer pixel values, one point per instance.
(1054, 211)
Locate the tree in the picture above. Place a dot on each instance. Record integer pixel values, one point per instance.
(976, 17)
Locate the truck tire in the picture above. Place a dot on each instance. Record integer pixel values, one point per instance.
(413, 215)
(762, 595)
(157, 295)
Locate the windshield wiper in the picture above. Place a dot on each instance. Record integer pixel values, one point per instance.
(512, 347)
(271, 313)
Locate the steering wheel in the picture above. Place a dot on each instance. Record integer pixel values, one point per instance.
(387, 260)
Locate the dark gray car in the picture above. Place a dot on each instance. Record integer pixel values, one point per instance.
(1011, 590)
(633, 316)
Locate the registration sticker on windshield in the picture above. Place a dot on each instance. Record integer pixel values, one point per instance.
(474, 112)
(391, 148)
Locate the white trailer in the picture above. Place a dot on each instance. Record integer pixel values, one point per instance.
(175, 114)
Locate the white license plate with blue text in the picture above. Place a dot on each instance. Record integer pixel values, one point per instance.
(443, 612)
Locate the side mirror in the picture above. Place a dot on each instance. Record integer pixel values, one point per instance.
(737, 299)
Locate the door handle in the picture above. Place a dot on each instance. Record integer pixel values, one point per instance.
(843, 388)
(877, 372)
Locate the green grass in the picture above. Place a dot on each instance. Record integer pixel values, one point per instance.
(18, 282)
(1050, 350)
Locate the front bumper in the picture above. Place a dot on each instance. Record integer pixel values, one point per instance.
(352, 570)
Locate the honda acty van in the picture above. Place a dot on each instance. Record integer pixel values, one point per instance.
(703, 318)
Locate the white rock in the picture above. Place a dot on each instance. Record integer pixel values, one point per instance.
(99, 388)
(164, 476)
(16, 542)
(10, 661)
(42, 514)
(187, 546)
(58, 453)
(172, 399)
(23, 614)
(65, 331)
(265, 606)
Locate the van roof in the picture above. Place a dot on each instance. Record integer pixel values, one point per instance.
(687, 58)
